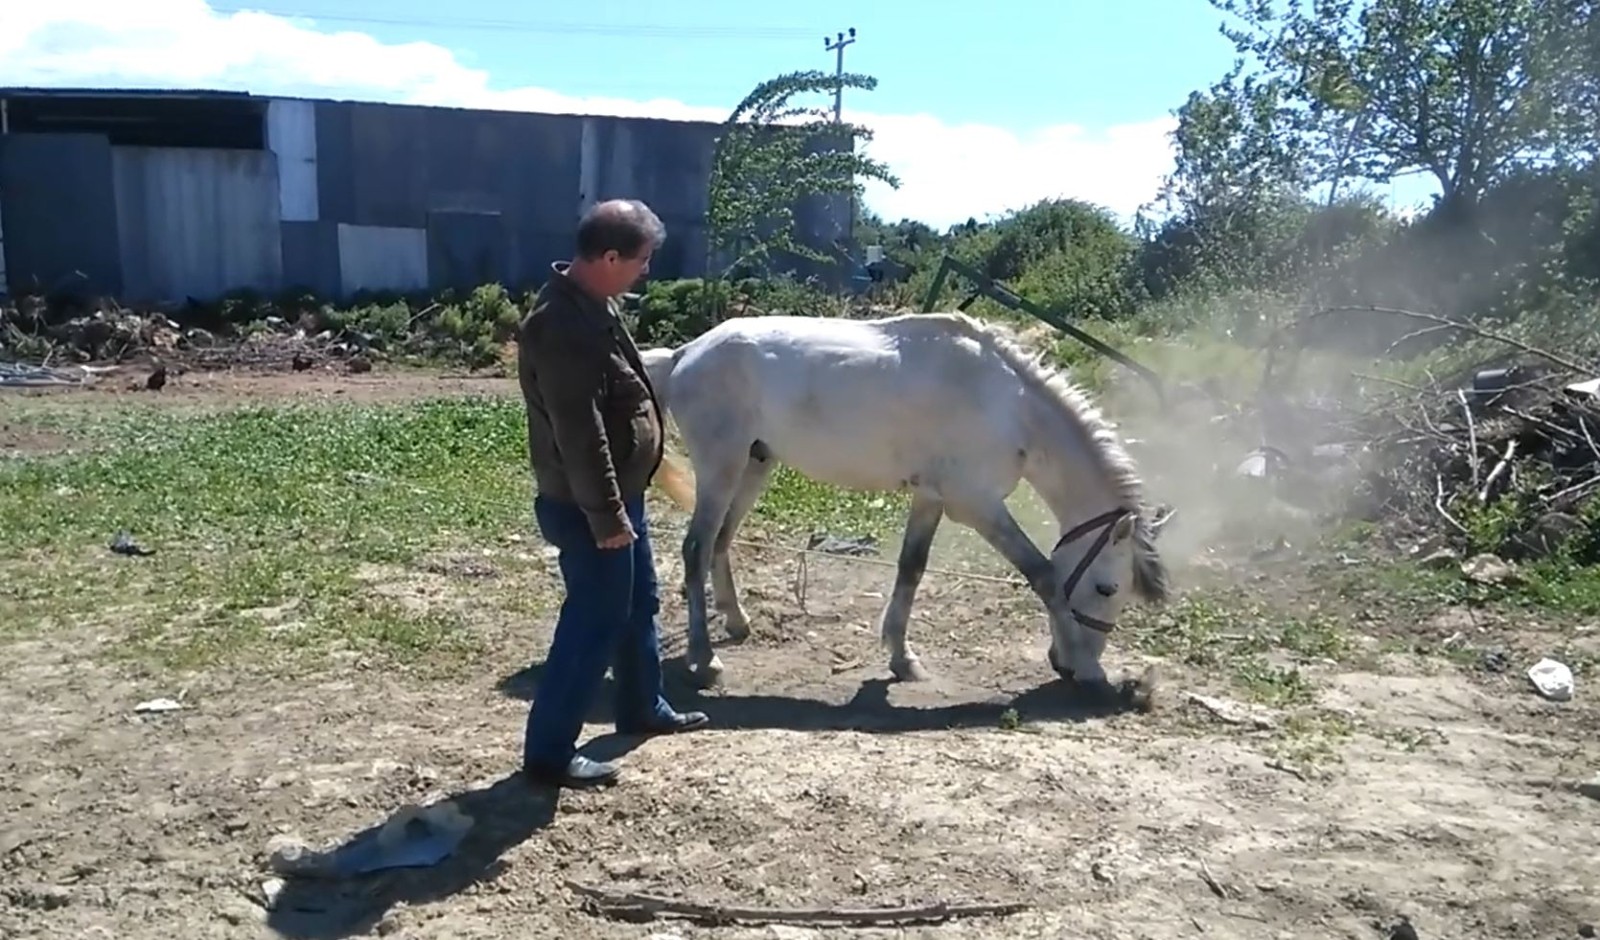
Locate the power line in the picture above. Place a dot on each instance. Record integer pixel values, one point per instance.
(630, 30)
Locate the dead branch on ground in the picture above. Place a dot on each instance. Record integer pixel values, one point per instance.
(634, 905)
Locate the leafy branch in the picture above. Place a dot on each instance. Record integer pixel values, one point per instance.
(772, 155)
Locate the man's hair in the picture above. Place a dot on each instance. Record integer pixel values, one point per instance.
(626, 226)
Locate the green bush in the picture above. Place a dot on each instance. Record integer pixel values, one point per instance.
(673, 312)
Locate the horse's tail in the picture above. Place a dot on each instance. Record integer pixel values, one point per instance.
(674, 478)
(676, 481)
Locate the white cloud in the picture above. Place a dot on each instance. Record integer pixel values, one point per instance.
(948, 172)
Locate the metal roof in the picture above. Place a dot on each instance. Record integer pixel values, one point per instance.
(210, 94)
(27, 92)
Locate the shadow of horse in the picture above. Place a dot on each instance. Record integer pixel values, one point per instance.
(504, 815)
(869, 710)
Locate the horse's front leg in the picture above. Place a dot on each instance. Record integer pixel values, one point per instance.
(995, 524)
(915, 546)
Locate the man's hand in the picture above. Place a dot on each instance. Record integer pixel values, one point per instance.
(621, 540)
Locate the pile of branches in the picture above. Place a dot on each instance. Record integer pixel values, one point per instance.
(1505, 461)
(1500, 457)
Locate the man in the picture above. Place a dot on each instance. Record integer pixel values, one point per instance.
(595, 439)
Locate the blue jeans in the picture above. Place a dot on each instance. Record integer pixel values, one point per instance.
(607, 619)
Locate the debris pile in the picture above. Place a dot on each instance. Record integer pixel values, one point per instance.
(29, 332)
(1505, 460)
(1492, 462)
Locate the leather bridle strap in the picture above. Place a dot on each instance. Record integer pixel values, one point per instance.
(1104, 522)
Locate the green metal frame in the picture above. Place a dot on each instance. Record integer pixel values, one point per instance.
(1005, 296)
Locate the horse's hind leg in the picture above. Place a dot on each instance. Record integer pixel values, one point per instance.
(724, 592)
(714, 493)
(915, 545)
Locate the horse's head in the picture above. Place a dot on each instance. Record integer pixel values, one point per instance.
(1099, 566)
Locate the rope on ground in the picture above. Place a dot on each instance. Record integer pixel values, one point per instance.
(858, 559)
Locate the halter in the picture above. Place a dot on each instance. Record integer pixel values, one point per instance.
(1104, 522)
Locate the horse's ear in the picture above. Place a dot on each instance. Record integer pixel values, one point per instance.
(1124, 528)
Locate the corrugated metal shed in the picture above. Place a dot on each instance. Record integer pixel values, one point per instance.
(215, 191)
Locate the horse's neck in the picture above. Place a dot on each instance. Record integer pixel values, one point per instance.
(1062, 466)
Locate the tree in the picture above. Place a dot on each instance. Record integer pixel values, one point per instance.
(1236, 148)
(1463, 90)
(1235, 195)
(1573, 42)
(774, 154)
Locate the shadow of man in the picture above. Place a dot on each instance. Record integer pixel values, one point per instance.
(503, 815)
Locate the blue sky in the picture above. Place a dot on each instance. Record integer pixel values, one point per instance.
(981, 108)
(1021, 64)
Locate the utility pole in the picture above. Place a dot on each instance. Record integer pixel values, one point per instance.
(837, 45)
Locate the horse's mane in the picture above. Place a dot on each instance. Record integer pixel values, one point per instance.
(1105, 443)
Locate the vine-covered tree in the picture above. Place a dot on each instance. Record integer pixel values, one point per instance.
(773, 154)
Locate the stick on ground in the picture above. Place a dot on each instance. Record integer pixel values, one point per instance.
(632, 905)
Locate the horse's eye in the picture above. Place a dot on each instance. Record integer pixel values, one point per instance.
(1106, 590)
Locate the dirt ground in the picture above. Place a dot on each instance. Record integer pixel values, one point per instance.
(822, 785)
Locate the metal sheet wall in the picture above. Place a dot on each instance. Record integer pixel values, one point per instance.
(382, 258)
(292, 135)
(466, 249)
(61, 224)
(311, 258)
(195, 222)
(3, 289)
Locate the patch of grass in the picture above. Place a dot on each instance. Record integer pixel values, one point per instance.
(1551, 587)
(251, 509)
(1309, 739)
(793, 501)
(1230, 633)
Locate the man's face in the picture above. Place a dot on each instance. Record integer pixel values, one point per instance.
(622, 273)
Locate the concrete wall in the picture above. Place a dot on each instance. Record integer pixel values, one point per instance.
(195, 222)
(351, 196)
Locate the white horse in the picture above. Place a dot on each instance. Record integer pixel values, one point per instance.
(940, 404)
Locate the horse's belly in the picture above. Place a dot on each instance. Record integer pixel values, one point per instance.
(855, 465)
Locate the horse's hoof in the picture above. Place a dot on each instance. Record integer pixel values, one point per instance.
(707, 675)
(908, 670)
(738, 630)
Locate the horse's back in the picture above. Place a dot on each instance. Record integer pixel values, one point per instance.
(864, 403)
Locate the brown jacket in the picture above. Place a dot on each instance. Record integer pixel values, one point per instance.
(594, 426)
